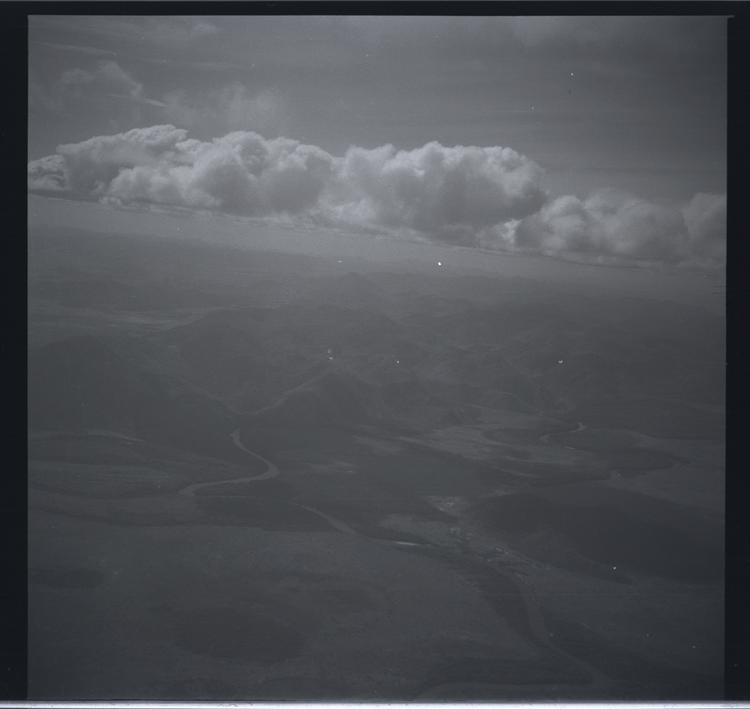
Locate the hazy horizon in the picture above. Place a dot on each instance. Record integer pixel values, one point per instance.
(590, 137)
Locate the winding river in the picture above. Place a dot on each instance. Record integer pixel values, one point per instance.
(271, 471)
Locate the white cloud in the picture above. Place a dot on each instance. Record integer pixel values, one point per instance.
(241, 172)
(94, 163)
(490, 197)
(48, 174)
(448, 192)
(613, 226)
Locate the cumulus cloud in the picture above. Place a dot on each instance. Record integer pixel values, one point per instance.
(478, 196)
(613, 226)
(447, 191)
(430, 189)
(93, 164)
(241, 172)
(49, 174)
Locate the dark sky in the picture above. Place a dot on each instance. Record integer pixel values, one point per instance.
(636, 103)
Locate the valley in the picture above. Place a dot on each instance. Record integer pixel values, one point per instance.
(287, 475)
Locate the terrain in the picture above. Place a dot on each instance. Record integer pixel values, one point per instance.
(267, 474)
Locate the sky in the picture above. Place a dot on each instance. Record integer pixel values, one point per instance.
(600, 138)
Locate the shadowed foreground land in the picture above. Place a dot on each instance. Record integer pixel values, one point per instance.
(257, 475)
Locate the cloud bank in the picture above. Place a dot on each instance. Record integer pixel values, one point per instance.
(613, 225)
(490, 197)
